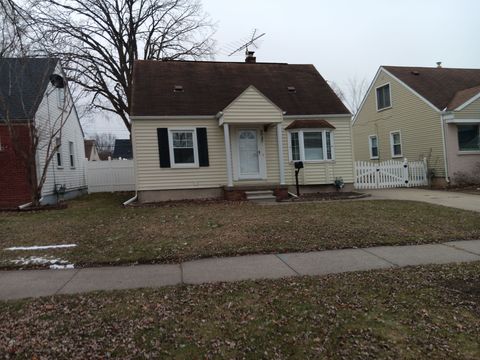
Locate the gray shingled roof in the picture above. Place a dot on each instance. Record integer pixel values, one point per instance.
(22, 84)
(122, 149)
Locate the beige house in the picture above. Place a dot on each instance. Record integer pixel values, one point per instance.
(420, 112)
(222, 129)
(91, 151)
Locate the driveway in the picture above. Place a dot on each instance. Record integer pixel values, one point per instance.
(438, 197)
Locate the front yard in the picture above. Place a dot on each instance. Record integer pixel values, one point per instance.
(414, 313)
(106, 233)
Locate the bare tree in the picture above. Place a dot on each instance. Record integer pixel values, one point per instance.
(13, 28)
(355, 92)
(105, 142)
(352, 94)
(99, 40)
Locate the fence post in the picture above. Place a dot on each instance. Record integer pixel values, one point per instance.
(405, 172)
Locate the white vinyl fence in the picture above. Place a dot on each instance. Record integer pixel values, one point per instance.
(390, 174)
(110, 176)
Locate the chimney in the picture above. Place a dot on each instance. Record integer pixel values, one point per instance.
(439, 64)
(250, 59)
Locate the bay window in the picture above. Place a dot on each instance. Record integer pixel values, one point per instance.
(311, 145)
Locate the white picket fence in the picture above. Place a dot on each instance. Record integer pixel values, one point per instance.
(110, 175)
(390, 174)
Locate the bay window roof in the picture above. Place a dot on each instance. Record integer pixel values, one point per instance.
(310, 124)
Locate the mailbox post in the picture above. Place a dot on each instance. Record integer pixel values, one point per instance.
(298, 166)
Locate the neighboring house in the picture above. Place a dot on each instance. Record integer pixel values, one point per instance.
(31, 98)
(91, 151)
(122, 149)
(421, 112)
(214, 129)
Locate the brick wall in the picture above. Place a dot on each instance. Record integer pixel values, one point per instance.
(14, 188)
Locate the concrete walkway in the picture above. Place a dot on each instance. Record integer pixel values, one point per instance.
(36, 283)
(439, 197)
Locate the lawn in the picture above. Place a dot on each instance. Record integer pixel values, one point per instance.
(106, 233)
(413, 313)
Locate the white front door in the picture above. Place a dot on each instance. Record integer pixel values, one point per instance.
(248, 154)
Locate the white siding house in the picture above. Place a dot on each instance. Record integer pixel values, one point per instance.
(66, 171)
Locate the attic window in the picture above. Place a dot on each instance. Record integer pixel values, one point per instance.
(178, 88)
(291, 89)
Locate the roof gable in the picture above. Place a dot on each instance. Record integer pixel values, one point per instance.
(209, 87)
(23, 82)
(463, 98)
(248, 94)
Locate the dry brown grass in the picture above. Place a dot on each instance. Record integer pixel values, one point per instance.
(106, 233)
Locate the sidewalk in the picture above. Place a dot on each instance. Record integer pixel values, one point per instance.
(438, 197)
(36, 283)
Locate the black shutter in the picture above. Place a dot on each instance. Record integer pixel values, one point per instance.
(202, 143)
(163, 149)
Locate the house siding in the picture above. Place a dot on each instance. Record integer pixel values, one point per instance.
(417, 121)
(462, 165)
(471, 111)
(73, 178)
(150, 176)
(252, 107)
(325, 172)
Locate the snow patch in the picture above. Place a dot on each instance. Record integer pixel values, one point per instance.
(15, 248)
(37, 260)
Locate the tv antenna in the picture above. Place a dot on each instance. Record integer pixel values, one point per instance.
(255, 36)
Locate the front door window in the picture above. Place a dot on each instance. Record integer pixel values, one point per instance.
(248, 153)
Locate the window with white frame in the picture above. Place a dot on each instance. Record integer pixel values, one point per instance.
(383, 97)
(61, 97)
(396, 143)
(71, 150)
(469, 137)
(373, 146)
(311, 145)
(58, 144)
(183, 148)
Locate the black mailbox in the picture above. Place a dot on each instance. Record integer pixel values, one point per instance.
(298, 164)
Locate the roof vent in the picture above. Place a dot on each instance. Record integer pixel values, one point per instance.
(178, 88)
(291, 89)
(57, 81)
(439, 64)
(415, 72)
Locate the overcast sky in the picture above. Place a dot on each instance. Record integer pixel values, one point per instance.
(349, 38)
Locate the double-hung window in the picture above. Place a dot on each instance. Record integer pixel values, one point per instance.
(311, 145)
(469, 137)
(183, 148)
(71, 150)
(383, 97)
(373, 146)
(61, 97)
(396, 143)
(58, 144)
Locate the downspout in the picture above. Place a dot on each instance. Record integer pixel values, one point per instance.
(24, 206)
(445, 161)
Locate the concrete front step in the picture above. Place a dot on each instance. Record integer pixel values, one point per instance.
(260, 195)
